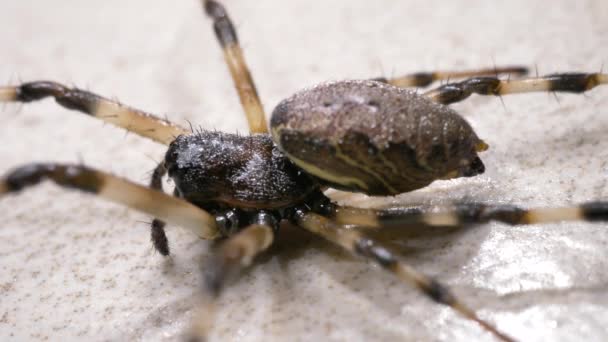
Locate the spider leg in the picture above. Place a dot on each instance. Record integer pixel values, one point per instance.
(115, 189)
(424, 79)
(565, 82)
(233, 54)
(232, 256)
(157, 227)
(469, 213)
(359, 244)
(133, 120)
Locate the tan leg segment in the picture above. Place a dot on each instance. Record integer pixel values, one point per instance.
(567, 82)
(233, 256)
(115, 189)
(423, 79)
(233, 54)
(359, 244)
(133, 120)
(469, 213)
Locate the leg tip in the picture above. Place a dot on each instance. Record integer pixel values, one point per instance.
(8, 94)
(214, 9)
(3, 188)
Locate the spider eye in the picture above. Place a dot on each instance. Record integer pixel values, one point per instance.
(228, 223)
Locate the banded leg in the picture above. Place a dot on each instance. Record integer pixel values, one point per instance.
(133, 120)
(233, 54)
(157, 227)
(470, 213)
(233, 256)
(115, 189)
(359, 244)
(424, 79)
(566, 82)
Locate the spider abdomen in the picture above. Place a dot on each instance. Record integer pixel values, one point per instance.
(236, 171)
(374, 138)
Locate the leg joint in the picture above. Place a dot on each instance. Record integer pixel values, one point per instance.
(438, 292)
(71, 176)
(33, 91)
(595, 211)
(480, 213)
(572, 82)
(482, 85)
(423, 79)
(367, 248)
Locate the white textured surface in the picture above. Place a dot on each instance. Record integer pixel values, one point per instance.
(74, 267)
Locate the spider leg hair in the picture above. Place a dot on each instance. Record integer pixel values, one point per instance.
(133, 120)
(233, 54)
(465, 213)
(115, 189)
(564, 82)
(424, 79)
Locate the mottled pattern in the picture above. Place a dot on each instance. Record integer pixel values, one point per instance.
(385, 140)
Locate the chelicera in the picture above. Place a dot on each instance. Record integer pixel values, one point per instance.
(369, 136)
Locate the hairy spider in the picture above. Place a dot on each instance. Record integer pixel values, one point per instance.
(360, 182)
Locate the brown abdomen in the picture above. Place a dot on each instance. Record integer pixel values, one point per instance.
(374, 138)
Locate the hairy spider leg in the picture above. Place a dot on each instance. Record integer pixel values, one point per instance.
(233, 54)
(563, 82)
(361, 245)
(227, 262)
(115, 189)
(133, 120)
(464, 213)
(157, 227)
(424, 79)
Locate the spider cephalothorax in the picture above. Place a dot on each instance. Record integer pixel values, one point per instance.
(366, 136)
(244, 171)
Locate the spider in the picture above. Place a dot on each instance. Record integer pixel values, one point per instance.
(227, 216)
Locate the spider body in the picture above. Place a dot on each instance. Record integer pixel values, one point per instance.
(363, 136)
(228, 170)
(374, 138)
(360, 136)
(240, 179)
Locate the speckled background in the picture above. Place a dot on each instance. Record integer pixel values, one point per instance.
(75, 267)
